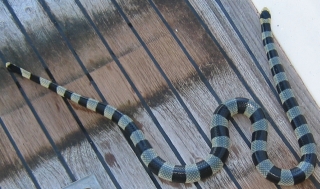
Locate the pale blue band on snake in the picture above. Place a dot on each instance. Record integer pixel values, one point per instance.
(219, 128)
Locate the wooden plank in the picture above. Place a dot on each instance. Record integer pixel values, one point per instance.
(64, 130)
(138, 64)
(40, 146)
(307, 103)
(101, 81)
(116, 151)
(53, 122)
(275, 113)
(172, 97)
(93, 122)
(22, 135)
(89, 122)
(185, 66)
(10, 162)
(311, 110)
(11, 38)
(304, 98)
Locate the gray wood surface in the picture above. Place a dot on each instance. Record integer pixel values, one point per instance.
(167, 64)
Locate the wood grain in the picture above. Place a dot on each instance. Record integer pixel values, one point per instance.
(156, 62)
(276, 114)
(10, 161)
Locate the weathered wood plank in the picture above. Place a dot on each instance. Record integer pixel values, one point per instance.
(23, 135)
(117, 155)
(269, 101)
(137, 63)
(170, 11)
(53, 124)
(68, 128)
(10, 162)
(100, 81)
(185, 65)
(88, 121)
(77, 151)
(307, 103)
(304, 98)
(311, 110)
(172, 97)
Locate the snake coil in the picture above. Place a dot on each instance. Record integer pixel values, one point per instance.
(219, 127)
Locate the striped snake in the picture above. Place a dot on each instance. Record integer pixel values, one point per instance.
(219, 127)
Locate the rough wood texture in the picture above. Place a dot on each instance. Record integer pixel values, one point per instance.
(167, 64)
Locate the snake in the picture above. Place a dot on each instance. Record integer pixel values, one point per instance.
(219, 127)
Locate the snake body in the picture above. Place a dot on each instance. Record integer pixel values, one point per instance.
(219, 128)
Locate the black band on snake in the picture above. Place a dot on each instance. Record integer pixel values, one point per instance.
(219, 128)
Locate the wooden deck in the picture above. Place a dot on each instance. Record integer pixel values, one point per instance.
(167, 64)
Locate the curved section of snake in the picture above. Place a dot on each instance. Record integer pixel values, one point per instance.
(219, 128)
